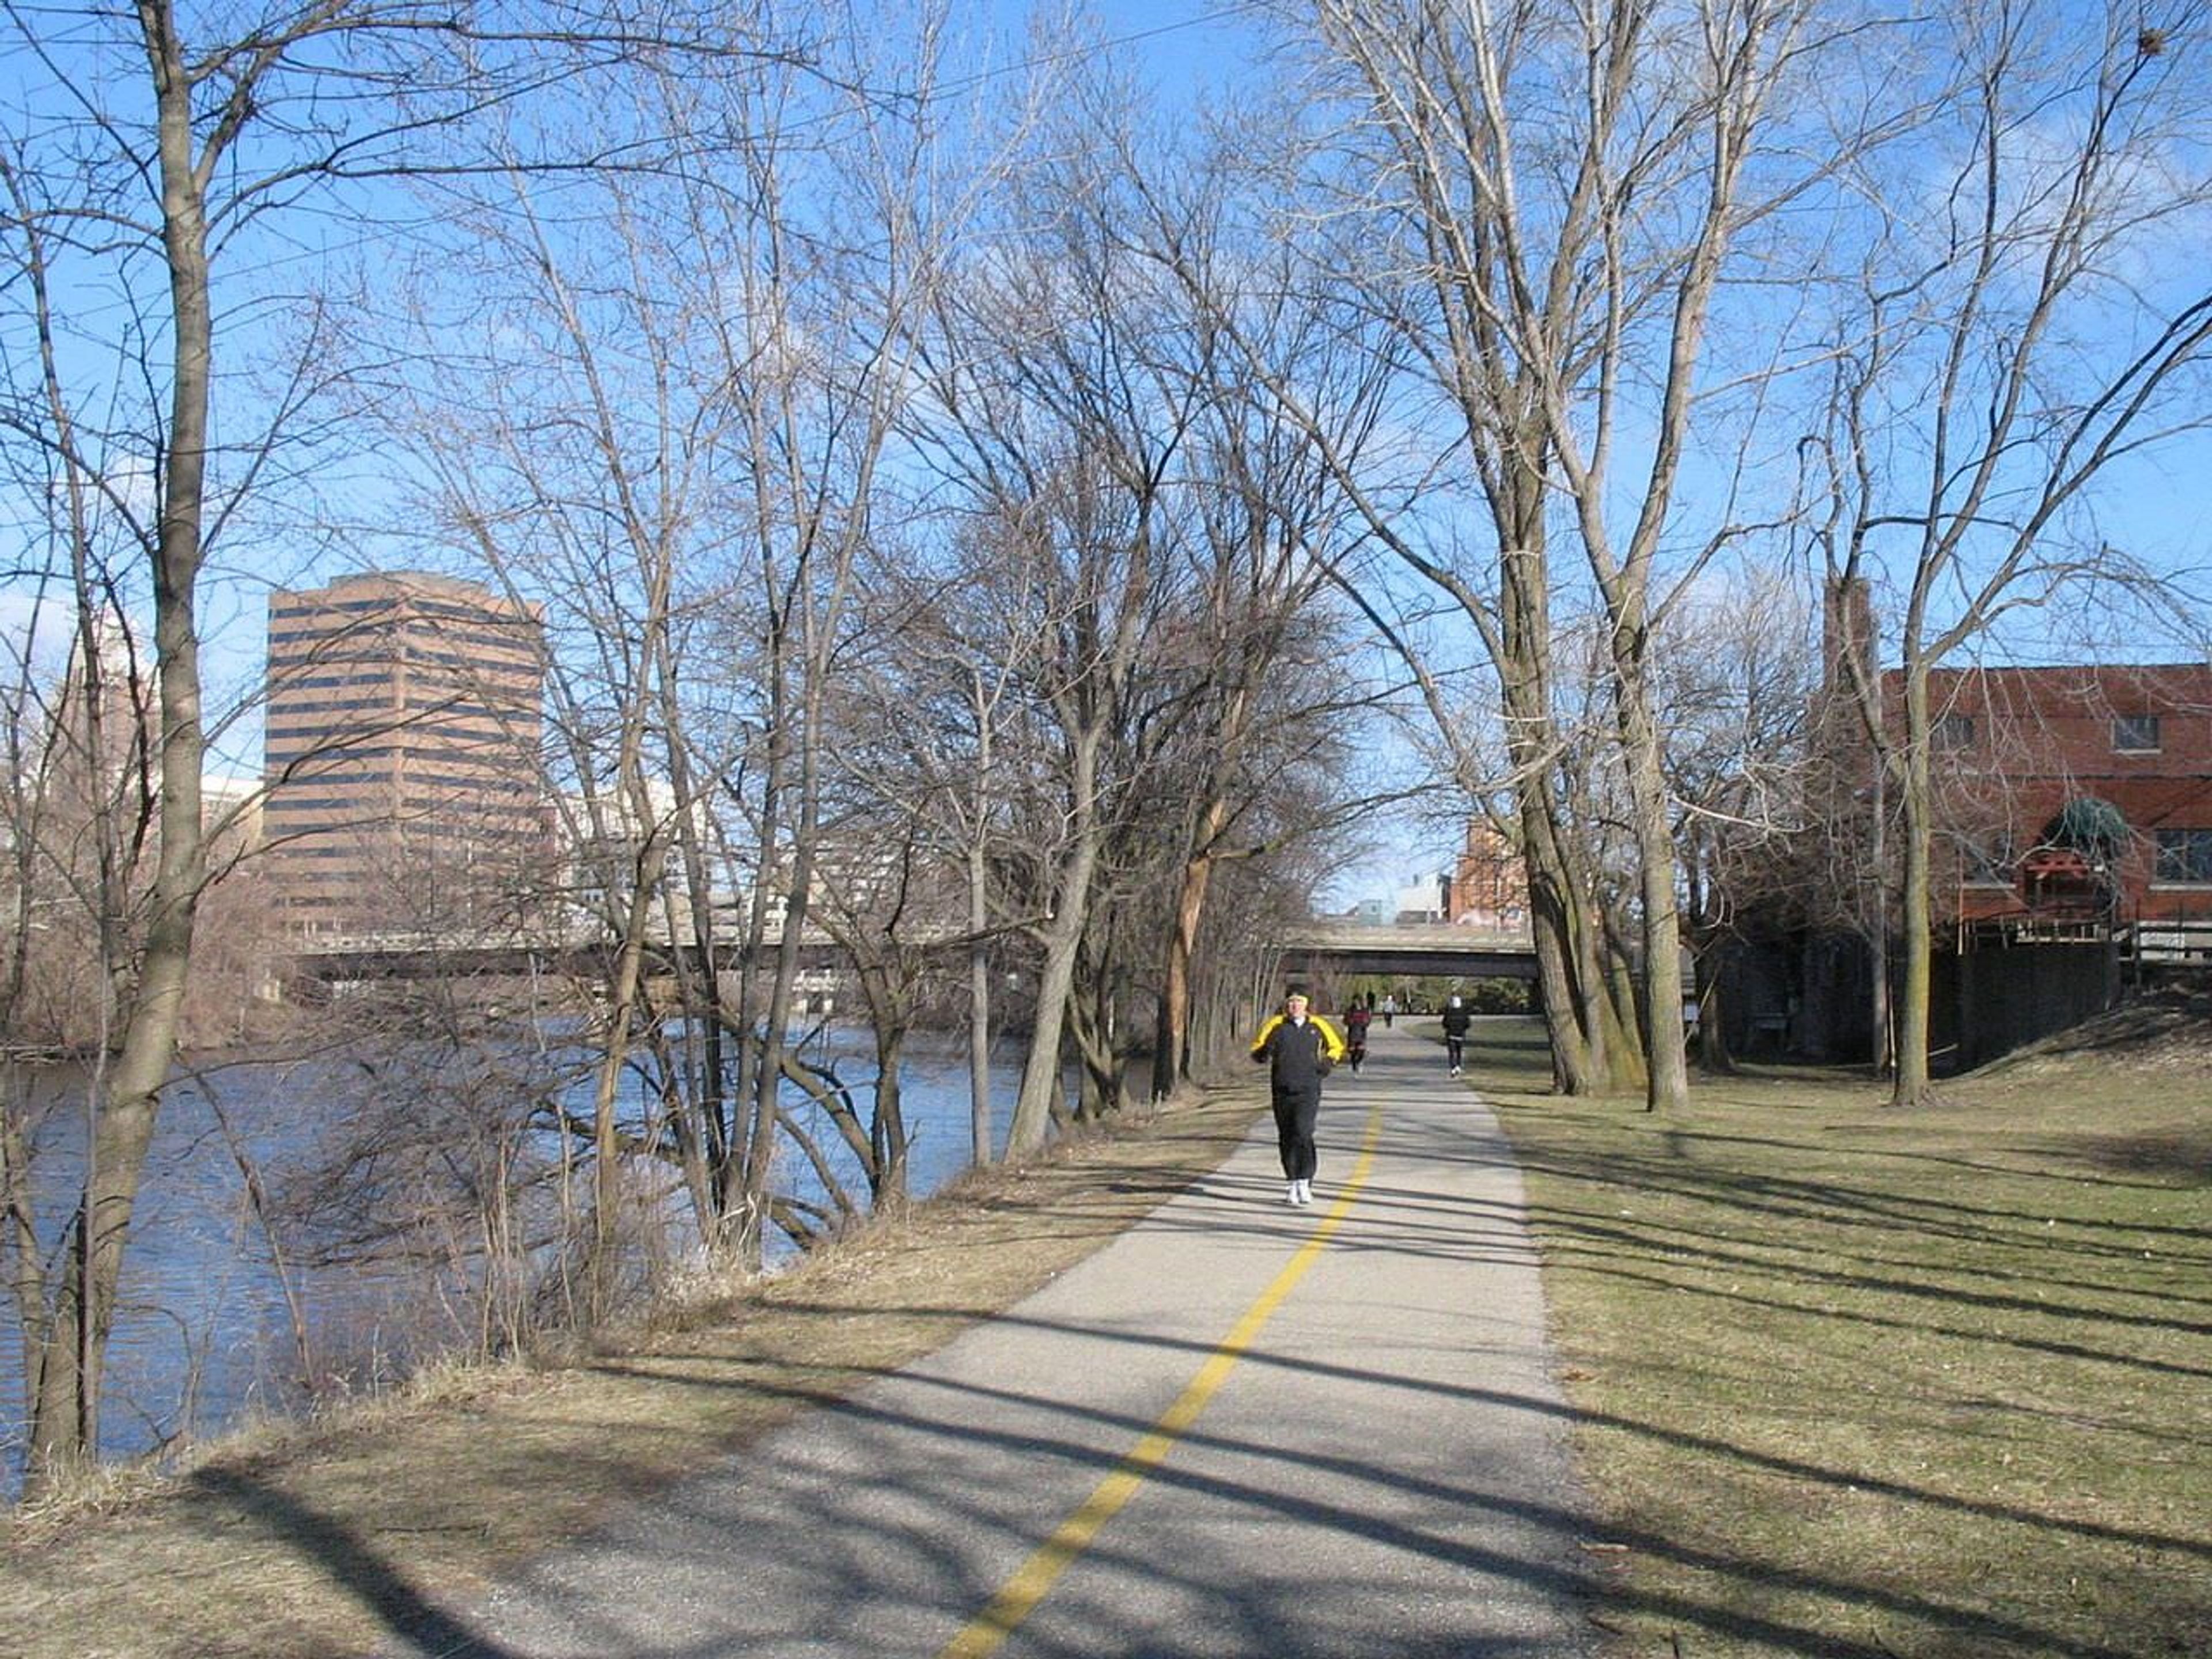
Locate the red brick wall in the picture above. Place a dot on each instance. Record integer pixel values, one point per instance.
(2033, 738)
(1490, 885)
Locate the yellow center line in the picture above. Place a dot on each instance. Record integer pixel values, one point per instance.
(1033, 1580)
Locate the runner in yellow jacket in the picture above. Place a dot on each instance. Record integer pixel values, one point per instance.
(1300, 1049)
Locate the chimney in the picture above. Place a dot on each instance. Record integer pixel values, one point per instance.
(1847, 618)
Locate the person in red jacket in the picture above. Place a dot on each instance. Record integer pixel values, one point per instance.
(1300, 1049)
(1357, 1018)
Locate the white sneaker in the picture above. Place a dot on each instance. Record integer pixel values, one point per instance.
(1305, 1192)
(1291, 1196)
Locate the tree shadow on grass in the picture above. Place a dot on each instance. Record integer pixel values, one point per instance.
(374, 1581)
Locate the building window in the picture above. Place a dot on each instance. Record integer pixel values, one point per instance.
(2134, 735)
(1953, 732)
(2184, 855)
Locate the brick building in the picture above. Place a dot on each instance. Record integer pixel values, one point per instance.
(402, 754)
(1489, 882)
(2072, 793)
(2072, 843)
(2081, 792)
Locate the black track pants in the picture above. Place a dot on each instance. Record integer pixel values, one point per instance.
(1295, 1112)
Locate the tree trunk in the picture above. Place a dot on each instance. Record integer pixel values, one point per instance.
(1912, 1086)
(1063, 943)
(1171, 1034)
(1566, 965)
(982, 1137)
(981, 1149)
(759, 1158)
(606, 1146)
(1040, 1078)
(1667, 1076)
(66, 1413)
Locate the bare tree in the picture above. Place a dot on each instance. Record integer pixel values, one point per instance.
(687, 474)
(1272, 536)
(158, 161)
(1556, 200)
(1061, 433)
(2021, 332)
(549, 477)
(1737, 682)
(1166, 539)
(925, 737)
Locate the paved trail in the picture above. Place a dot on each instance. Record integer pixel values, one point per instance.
(1241, 1429)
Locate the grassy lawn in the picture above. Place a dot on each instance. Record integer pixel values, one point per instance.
(1859, 1381)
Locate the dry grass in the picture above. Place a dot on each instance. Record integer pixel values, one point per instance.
(320, 1542)
(1859, 1383)
(1856, 1384)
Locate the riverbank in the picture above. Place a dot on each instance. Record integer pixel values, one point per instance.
(317, 1214)
(318, 1540)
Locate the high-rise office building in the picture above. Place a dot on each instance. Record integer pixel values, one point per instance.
(405, 790)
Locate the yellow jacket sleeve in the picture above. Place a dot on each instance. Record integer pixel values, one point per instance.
(1259, 1043)
(1332, 1041)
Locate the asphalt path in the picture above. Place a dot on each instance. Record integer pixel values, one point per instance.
(1242, 1428)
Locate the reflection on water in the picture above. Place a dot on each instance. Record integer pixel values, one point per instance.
(204, 1334)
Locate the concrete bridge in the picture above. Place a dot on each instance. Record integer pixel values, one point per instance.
(1439, 950)
(1432, 950)
(339, 958)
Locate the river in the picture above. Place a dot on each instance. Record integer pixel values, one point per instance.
(204, 1331)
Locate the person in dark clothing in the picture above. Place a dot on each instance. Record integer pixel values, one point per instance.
(1456, 1020)
(1299, 1048)
(1357, 1018)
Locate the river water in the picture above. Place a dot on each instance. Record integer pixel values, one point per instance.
(204, 1334)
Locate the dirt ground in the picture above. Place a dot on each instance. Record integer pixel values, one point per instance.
(320, 1539)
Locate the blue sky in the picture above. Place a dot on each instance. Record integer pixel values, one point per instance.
(2158, 509)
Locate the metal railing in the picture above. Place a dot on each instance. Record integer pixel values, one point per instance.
(2168, 944)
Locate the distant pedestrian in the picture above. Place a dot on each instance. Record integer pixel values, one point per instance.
(1389, 1011)
(1300, 1049)
(1456, 1020)
(1357, 1020)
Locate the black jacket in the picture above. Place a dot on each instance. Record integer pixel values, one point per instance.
(1299, 1055)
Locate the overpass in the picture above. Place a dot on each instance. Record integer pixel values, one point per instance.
(1439, 949)
(339, 958)
(1419, 950)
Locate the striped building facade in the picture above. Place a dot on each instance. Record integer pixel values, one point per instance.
(402, 754)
